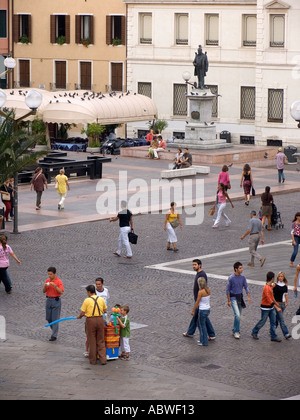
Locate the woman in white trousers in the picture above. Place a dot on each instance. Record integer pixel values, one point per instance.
(126, 225)
(221, 200)
(172, 237)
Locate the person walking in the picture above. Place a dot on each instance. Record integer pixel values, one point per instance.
(62, 184)
(172, 220)
(221, 197)
(280, 161)
(234, 291)
(93, 309)
(126, 225)
(295, 232)
(53, 288)
(268, 307)
(280, 291)
(5, 252)
(224, 177)
(6, 191)
(197, 267)
(202, 305)
(256, 233)
(246, 182)
(266, 207)
(38, 183)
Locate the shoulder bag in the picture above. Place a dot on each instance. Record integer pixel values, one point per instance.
(5, 196)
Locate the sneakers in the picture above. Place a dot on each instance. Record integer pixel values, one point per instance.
(262, 261)
(187, 335)
(251, 264)
(236, 335)
(254, 336)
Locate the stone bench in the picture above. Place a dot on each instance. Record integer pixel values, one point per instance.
(176, 173)
(204, 170)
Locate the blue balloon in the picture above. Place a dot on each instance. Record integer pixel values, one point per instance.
(59, 320)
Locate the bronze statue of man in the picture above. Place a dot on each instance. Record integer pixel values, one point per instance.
(201, 67)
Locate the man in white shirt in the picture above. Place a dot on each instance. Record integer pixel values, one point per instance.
(101, 291)
(161, 147)
(280, 161)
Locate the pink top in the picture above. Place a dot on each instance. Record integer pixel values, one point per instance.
(280, 157)
(221, 197)
(223, 178)
(4, 256)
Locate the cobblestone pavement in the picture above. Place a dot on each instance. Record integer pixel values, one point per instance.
(164, 364)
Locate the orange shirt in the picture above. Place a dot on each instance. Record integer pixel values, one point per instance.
(51, 290)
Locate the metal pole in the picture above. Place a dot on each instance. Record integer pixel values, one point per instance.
(16, 205)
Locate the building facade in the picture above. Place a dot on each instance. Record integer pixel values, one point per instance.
(254, 61)
(4, 40)
(69, 45)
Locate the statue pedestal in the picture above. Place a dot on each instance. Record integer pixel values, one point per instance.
(200, 131)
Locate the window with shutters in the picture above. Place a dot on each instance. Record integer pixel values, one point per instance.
(179, 100)
(84, 29)
(24, 73)
(60, 75)
(249, 30)
(181, 28)
(277, 29)
(145, 30)
(3, 24)
(247, 103)
(60, 29)
(85, 75)
(212, 29)
(115, 30)
(145, 89)
(275, 105)
(117, 77)
(22, 28)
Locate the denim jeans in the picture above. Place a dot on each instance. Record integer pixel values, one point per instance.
(295, 247)
(265, 314)
(280, 175)
(237, 310)
(193, 324)
(280, 320)
(205, 327)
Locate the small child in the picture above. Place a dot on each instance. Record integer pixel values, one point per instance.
(124, 332)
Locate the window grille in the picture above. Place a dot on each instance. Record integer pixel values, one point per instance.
(247, 103)
(275, 105)
(179, 99)
(214, 91)
(145, 89)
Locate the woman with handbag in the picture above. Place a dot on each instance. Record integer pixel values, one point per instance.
(266, 207)
(172, 221)
(126, 225)
(246, 182)
(221, 202)
(6, 191)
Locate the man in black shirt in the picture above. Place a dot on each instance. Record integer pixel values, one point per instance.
(126, 225)
(197, 266)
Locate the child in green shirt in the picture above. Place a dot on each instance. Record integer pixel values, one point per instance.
(124, 322)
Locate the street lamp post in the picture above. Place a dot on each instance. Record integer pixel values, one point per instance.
(295, 111)
(33, 100)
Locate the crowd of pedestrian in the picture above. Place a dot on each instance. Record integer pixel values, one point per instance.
(273, 304)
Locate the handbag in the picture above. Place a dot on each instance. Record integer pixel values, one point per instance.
(211, 211)
(132, 237)
(253, 192)
(175, 223)
(5, 196)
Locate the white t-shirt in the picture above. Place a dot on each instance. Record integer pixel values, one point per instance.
(104, 294)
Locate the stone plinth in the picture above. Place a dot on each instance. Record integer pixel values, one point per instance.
(200, 130)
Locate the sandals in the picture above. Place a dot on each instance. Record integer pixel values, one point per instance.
(125, 357)
(115, 253)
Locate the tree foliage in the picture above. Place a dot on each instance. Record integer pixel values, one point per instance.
(15, 145)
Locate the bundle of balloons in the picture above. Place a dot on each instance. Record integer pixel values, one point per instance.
(115, 314)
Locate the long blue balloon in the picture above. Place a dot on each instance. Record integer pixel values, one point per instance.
(59, 320)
